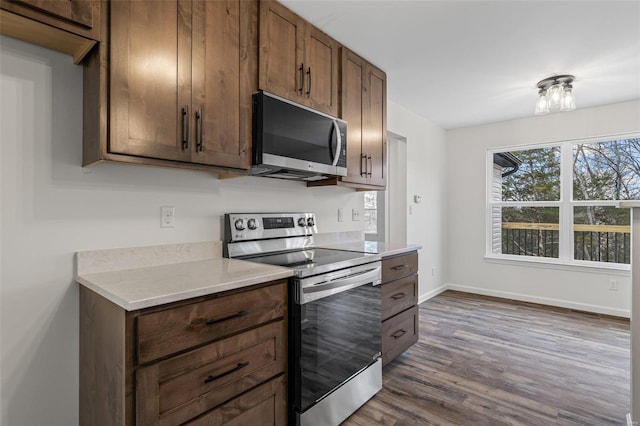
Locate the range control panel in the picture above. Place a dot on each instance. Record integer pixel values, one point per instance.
(259, 226)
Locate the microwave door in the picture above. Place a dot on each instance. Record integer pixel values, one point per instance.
(293, 137)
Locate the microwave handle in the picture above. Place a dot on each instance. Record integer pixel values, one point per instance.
(336, 155)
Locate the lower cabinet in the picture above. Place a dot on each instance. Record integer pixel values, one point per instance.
(208, 361)
(399, 304)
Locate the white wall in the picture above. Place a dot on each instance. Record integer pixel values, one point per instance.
(426, 162)
(466, 267)
(51, 208)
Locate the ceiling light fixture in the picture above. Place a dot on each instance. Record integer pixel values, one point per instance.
(555, 94)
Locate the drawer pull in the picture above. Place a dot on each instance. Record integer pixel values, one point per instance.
(398, 334)
(398, 267)
(238, 315)
(240, 366)
(398, 296)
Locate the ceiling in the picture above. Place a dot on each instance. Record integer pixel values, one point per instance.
(463, 63)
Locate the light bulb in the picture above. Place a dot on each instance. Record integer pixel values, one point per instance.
(568, 99)
(555, 96)
(541, 106)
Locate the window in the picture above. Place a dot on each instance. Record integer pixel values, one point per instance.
(371, 212)
(557, 202)
(374, 215)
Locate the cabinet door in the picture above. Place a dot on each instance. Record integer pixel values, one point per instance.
(374, 126)
(281, 51)
(321, 73)
(224, 77)
(353, 73)
(150, 79)
(75, 11)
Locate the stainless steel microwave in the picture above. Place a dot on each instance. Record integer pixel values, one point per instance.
(291, 141)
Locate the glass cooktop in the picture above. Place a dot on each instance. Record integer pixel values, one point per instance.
(318, 260)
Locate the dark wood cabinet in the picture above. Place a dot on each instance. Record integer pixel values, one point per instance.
(399, 304)
(68, 26)
(297, 60)
(181, 81)
(364, 107)
(150, 76)
(210, 360)
(77, 12)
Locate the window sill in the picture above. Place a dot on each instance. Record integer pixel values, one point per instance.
(576, 266)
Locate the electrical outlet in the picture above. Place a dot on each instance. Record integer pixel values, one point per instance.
(355, 215)
(167, 217)
(340, 215)
(613, 285)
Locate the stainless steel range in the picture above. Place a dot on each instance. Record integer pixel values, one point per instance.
(334, 313)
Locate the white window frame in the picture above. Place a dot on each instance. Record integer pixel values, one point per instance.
(565, 204)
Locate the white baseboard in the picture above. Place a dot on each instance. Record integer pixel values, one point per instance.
(430, 294)
(623, 313)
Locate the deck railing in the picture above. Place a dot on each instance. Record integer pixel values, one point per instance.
(598, 243)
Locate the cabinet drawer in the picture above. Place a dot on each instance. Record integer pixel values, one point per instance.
(397, 267)
(399, 295)
(176, 329)
(181, 388)
(265, 405)
(399, 333)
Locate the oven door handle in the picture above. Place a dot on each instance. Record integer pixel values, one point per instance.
(338, 285)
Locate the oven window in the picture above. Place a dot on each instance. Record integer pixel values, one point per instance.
(338, 336)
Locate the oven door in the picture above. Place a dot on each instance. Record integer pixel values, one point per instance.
(336, 329)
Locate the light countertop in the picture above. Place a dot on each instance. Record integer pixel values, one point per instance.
(145, 287)
(143, 277)
(385, 249)
(629, 204)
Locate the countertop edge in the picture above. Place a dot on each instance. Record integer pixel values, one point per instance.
(373, 247)
(408, 249)
(628, 204)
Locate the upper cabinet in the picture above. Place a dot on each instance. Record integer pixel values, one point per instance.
(364, 107)
(77, 12)
(181, 74)
(296, 60)
(68, 26)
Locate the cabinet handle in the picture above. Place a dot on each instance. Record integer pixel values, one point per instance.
(309, 81)
(240, 366)
(238, 315)
(370, 163)
(363, 157)
(301, 70)
(185, 127)
(398, 334)
(398, 267)
(398, 296)
(199, 143)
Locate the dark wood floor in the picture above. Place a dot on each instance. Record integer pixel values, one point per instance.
(487, 361)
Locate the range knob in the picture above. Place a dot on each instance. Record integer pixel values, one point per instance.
(239, 224)
(302, 221)
(311, 221)
(252, 224)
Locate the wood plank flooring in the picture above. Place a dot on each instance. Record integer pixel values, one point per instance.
(488, 361)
